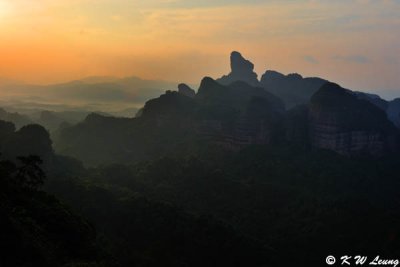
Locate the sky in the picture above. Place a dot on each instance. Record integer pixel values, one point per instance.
(355, 43)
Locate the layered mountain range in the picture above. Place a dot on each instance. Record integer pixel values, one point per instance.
(236, 111)
(117, 96)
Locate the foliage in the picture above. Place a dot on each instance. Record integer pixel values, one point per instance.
(36, 229)
(139, 232)
(297, 203)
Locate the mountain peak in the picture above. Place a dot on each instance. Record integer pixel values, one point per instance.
(186, 90)
(239, 64)
(206, 82)
(241, 70)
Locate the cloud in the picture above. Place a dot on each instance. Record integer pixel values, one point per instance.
(310, 59)
(210, 3)
(359, 59)
(147, 38)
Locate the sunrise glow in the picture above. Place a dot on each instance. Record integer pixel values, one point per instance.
(356, 43)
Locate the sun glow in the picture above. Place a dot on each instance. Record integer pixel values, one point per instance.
(353, 42)
(5, 8)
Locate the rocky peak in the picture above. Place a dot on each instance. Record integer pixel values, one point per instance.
(295, 76)
(241, 70)
(208, 86)
(240, 65)
(271, 75)
(186, 90)
(171, 105)
(374, 99)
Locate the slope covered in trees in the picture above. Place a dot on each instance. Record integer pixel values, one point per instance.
(36, 229)
(293, 202)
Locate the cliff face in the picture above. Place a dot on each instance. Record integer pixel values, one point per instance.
(327, 133)
(374, 99)
(393, 112)
(238, 115)
(341, 122)
(392, 108)
(296, 126)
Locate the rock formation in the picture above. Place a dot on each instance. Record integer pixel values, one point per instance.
(241, 70)
(374, 99)
(236, 111)
(393, 112)
(341, 122)
(239, 114)
(392, 108)
(293, 89)
(170, 105)
(186, 90)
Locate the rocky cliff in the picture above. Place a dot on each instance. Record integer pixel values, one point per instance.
(184, 89)
(341, 122)
(239, 114)
(393, 111)
(392, 108)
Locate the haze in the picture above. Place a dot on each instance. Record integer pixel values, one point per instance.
(355, 43)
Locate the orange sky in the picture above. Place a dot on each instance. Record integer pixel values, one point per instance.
(353, 42)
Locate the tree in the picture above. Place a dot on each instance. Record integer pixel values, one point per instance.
(25, 175)
(29, 174)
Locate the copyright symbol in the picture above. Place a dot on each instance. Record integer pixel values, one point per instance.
(330, 260)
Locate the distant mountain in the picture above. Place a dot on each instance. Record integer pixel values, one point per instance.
(186, 90)
(99, 79)
(7, 82)
(107, 94)
(130, 90)
(392, 108)
(231, 113)
(293, 89)
(18, 119)
(232, 116)
(53, 120)
(170, 105)
(236, 95)
(374, 99)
